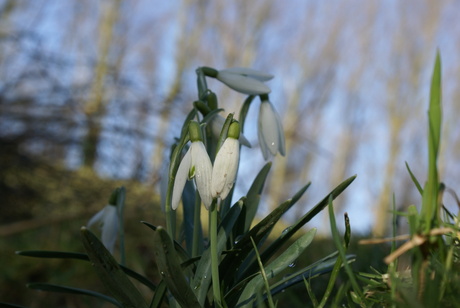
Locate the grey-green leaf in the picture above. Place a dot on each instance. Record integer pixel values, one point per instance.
(110, 273)
(170, 269)
(275, 267)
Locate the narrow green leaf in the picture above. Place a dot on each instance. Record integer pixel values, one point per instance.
(276, 266)
(244, 111)
(170, 269)
(288, 233)
(81, 256)
(429, 209)
(264, 276)
(414, 179)
(258, 232)
(7, 305)
(183, 255)
(159, 295)
(110, 273)
(71, 290)
(253, 195)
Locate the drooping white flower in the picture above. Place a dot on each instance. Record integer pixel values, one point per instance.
(217, 123)
(245, 80)
(195, 164)
(109, 223)
(270, 130)
(226, 164)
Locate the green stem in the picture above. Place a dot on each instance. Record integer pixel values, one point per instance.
(214, 254)
(121, 196)
(169, 213)
(196, 227)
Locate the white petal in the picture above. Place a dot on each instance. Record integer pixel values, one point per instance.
(203, 171)
(243, 84)
(110, 227)
(281, 140)
(263, 146)
(270, 129)
(259, 75)
(96, 218)
(180, 179)
(225, 168)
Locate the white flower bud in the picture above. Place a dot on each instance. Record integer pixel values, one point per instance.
(225, 168)
(270, 131)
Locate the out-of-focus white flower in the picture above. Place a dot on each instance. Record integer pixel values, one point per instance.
(226, 164)
(109, 222)
(245, 80)
(270, 130)
(217, 123)
(195, 164)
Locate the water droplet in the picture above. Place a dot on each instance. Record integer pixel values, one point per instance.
(285, 230)
(273, 143)
(162, 273)
(205, 276)
(292, 264)
(237, 239)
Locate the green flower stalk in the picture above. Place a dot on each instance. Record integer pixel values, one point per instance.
(270, 130)
(195, 164)
(217, 124)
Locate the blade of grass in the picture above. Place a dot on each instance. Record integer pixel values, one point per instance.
(276, 266)
(414, 179)
(312, 295)
(340, 247)
(264, 275)
(429, 209)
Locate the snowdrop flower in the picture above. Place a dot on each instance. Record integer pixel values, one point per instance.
(226, 163)
(195, 164)
(109, 222)
(270, 130)
(217, 123)
(245, 80)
